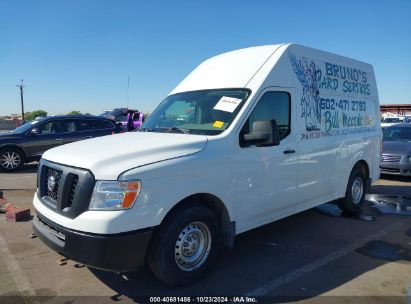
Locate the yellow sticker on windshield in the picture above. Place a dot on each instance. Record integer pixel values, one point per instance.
(218, 124)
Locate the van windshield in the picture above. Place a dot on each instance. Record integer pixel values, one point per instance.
(207, 112)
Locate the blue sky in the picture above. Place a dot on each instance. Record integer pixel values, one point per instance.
(77, 55)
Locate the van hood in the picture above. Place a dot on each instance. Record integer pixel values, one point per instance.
(109, 156)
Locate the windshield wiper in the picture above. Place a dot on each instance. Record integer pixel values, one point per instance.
(178, 129)
(168, 130)
(145, 130)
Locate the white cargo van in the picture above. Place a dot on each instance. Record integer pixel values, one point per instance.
(249, 137)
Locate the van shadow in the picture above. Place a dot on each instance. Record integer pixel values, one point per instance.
(274, 251)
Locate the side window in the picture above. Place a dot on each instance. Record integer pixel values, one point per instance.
(71, 125)
(83, 125)
(136, 116)
(53, 127)
(272, 105)
(101, 124)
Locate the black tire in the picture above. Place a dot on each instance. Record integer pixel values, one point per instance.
(11, 159)
(163, 252)
(353, 201)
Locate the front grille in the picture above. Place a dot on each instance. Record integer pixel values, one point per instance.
(387, 158)
(55, 176)
(66, 190)
(72, 191)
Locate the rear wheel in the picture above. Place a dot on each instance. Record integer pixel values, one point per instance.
(355, 193)
(11, 159)
(185, 245)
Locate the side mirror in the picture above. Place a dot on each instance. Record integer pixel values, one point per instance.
(265, 133)
(34, 131)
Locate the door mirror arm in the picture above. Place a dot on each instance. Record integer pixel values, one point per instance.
(34, 131)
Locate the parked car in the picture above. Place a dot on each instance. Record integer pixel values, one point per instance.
(396, 151)
(128, 119)
(249, 137)
(28, 142)
(389, 121)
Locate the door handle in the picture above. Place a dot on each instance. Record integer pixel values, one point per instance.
(289, 151)
(59, 139)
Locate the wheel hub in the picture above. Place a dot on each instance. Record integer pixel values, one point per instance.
(10, 160)
(192, 246)
(357, 190)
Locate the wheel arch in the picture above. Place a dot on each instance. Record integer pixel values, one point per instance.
(216, 205)
(6, 146)
(358, 161)
(363, 163)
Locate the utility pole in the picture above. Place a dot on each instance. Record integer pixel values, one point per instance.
(21, 86)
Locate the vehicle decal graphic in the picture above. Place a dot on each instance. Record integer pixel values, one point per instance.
(310, 102)
(333, 102)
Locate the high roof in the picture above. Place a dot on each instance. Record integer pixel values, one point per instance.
(269, 65)
(229, 70)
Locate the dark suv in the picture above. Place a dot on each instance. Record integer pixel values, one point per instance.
(28, 142)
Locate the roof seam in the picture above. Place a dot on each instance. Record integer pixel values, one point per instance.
(264, 63)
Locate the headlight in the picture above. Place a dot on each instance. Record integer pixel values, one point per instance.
(114, 195)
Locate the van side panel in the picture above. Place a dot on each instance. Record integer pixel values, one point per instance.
(339, 122)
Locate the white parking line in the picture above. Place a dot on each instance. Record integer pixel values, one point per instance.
(22, 283)
(293, 275)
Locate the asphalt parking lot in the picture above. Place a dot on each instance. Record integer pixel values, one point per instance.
(296, 259)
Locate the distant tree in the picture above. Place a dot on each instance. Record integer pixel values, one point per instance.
(74, 113)
(33, 115)
(87, 114)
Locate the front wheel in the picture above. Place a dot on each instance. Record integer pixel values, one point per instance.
(11, 159)
(185, 245)
(355, 193)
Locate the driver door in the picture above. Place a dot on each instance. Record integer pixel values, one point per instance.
(267, 177)
(50, 135)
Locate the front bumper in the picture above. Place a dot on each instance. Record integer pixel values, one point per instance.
(120, 252)
(396, 168)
